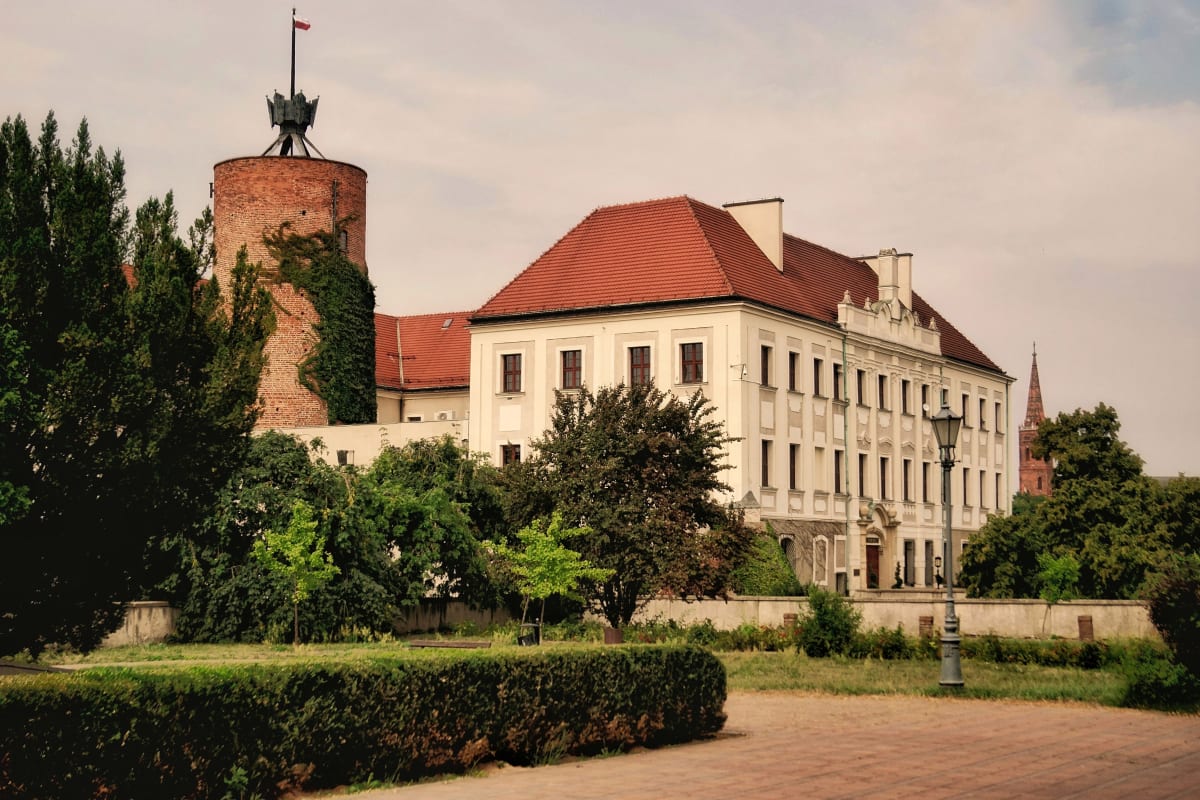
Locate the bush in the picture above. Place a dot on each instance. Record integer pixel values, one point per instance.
(766, 571)
(885, 643)
(1045, 653)
(1174, 598)
(278, 728)
(1160, 683)
(830, 625)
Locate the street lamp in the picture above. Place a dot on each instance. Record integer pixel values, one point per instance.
(945, 428)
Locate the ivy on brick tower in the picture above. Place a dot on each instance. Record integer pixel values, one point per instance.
(341, 367)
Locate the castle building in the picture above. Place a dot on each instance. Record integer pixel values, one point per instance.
(825, 368)
(1035, 473)
(289, 183)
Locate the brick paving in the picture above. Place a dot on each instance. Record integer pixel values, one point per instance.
(786, 745)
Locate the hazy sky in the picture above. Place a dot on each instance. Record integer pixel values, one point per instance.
(1040, 159)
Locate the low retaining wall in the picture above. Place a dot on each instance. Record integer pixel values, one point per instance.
(1031, 619)
(146, 621)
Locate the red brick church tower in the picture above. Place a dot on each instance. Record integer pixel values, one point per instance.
(290, 182)
(1035, 472)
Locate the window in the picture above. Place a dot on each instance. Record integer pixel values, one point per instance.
(572, 369)
(765, 365)
(982, 487)
(966, 499)
(999, 492)
(509, 454)
(907, 478)
(999, 427)
(512, 372)
(925, 470)
(862, 474)
(766, 462)
(837, 381)
(883, 392)
(793, 466)
(860, 387)
(818, 368)
(966, 410)
(343, 240)
(839, 469)
(982, 414)
(905, 401)
(691, 357)
(885, 492)
(793, 372)
(639, 366)
(925, 400)
(413, 418)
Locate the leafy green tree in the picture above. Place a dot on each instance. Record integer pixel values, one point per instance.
(127, 401)
(639, 467)
(1058, 577)
(1086, 445)
(544, 565)
(1113, 522)
(297, 555)
(224, 594)
(427, 534)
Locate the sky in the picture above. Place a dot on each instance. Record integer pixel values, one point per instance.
(1041, 160)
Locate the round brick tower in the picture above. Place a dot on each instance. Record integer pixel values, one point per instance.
(253, 196)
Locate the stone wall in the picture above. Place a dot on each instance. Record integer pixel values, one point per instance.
(1012, 618)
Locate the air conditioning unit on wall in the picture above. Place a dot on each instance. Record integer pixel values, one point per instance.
(445, 415)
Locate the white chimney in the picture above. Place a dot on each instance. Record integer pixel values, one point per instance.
(895, 275)
(763, 222)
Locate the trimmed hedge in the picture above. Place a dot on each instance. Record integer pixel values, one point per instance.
(271, 729)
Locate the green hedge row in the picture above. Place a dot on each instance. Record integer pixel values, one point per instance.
(200, 732)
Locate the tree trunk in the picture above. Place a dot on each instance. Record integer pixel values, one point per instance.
(296, 624)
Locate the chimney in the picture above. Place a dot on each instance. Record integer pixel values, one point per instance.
(763, 221)
(894, 271)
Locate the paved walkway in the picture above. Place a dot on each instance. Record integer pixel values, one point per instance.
(784, 745)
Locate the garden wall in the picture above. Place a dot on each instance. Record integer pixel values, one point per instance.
(1016, 618)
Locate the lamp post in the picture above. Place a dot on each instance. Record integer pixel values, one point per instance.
(945, 428)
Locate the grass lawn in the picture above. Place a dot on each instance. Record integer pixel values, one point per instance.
(789, 671)
(748, 671)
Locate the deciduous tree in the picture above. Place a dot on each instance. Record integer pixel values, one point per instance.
(639, 467)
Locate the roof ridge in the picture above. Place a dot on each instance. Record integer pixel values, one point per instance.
(691, 206)
(433, 314)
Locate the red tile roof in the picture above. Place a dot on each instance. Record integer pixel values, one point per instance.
(387, 351)
(679, 249)
(422, 352)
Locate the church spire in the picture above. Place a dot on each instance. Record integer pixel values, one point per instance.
(1035, 473)
(1034, 411)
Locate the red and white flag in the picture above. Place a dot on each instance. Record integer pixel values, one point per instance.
(301, 23)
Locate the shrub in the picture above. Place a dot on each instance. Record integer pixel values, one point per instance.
(278, 728)
(884, 643)
(766, 571)
(1160, 683)
(830, 625)
(1174, 598)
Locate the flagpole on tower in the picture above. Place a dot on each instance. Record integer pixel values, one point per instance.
(293, 94)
